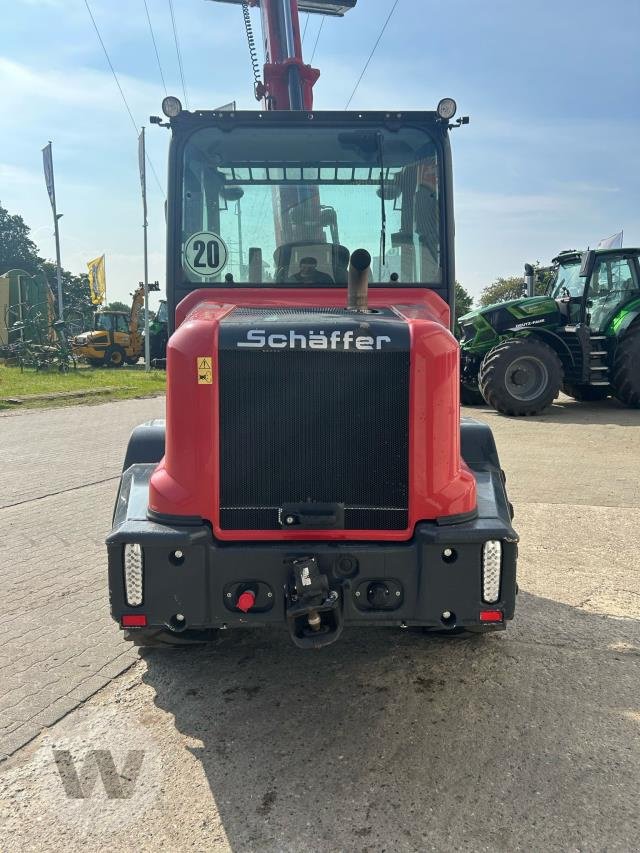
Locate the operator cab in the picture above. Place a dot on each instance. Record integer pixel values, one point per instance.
(110, 321)
(282, 199)
(612, 278)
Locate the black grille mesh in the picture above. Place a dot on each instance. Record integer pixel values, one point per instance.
(330, 427)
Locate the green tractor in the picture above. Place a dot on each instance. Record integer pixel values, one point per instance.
(583, 337)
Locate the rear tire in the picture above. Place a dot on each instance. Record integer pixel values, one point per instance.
(586, 393)
(626, 368)
(520, 376)
(114, 356)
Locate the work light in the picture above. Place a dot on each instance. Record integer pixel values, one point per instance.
(133, 564)
(172, 107)
(491, 565)
(447, 108)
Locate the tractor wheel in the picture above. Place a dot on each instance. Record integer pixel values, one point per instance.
(114, 356)
(520, 376)
(586, 393)
(626, 369)
(470, 395)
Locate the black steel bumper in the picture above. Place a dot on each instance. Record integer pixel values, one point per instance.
(192, 582)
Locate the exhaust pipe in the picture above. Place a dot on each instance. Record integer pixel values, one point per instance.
(359, 265)
(529, 285)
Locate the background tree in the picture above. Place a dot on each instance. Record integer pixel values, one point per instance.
(503, 289)
(464, 301)
(17, 249)
(118, 306)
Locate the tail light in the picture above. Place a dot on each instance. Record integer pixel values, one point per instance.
(491, 566)
(133, 574)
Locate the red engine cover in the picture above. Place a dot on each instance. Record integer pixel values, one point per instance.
(186, 482)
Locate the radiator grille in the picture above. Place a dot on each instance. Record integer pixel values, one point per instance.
(325, 426)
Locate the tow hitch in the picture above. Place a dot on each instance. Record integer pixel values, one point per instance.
(314, 611)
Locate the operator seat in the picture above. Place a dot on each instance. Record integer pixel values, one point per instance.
(332, 259)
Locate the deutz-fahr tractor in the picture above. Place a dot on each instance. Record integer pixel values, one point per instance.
(582, 337)
(313, 472)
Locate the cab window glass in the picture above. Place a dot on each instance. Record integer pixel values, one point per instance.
(104, 322)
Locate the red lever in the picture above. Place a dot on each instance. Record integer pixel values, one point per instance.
(246, 600)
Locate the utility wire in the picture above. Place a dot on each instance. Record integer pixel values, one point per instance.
(317, 39)
(179, 54)
(306, 24)
(373, 50)
(155, 46)
(122, 95)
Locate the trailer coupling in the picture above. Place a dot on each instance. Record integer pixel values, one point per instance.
(313, 610)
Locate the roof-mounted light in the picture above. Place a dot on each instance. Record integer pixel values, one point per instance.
(171, 106)
(447, 108)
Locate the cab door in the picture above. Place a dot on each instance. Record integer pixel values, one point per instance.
(613, 282)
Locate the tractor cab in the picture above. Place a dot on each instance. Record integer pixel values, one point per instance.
(592, 287)
(281, 199)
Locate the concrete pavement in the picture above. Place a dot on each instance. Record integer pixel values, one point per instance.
(387, 740)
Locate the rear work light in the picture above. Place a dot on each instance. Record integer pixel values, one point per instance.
(491, 565)
(133, 567)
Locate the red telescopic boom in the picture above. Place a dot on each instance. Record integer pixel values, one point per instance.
(287, 83)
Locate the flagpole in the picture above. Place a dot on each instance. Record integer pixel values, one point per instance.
(143, 183)
(48, 170)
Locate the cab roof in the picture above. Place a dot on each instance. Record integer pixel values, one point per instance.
(575, 255)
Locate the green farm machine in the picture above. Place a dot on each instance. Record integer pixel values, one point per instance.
(583, 338)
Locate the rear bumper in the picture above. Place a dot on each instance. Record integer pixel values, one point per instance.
(197, 588)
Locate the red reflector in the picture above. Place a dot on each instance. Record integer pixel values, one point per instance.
(246, 600)
(133, 620)
(491, 615)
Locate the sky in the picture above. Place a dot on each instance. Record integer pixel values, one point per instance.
(549, 161)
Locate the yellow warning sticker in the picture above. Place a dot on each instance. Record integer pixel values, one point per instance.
(204, 368)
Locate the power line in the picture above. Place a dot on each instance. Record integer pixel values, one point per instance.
(306, 24)
(155, 46)
(373, 50)
(179, 54)
(122, 95)
(317, 39)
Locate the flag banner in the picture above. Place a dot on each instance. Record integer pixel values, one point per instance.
(613, 242)
(47, 159)
(97, 280)
(143, 171)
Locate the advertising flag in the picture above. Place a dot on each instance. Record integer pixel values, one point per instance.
(47, 159)
(613, 242)
(143, 171)
(97, 280)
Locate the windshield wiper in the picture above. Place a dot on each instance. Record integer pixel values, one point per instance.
(383, 212)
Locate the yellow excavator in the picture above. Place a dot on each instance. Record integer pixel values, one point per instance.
(116, 337)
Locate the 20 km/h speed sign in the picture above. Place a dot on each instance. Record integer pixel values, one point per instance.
(205, 254)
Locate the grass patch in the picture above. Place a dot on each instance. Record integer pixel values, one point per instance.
(125, 382)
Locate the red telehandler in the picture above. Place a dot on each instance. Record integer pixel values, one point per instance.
(313, 471)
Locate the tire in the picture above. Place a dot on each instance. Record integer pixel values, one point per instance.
(586, 393)
(520, 376)
(626, 368)
(470, 395)
(114, 356)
